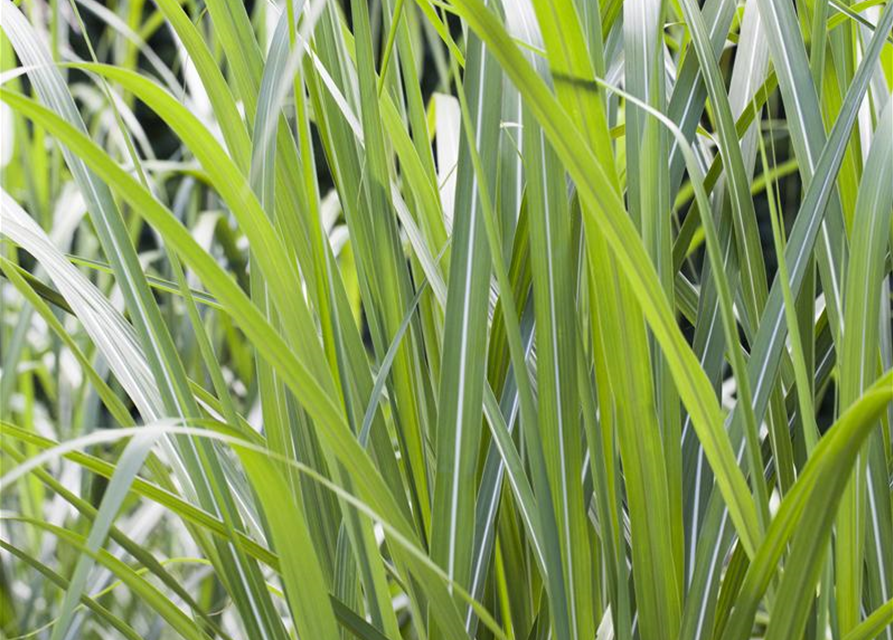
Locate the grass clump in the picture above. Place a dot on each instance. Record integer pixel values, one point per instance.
(519, 319)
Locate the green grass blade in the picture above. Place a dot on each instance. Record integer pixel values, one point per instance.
(120, 625)
(858, 363)
(813, 498)
(465, 327)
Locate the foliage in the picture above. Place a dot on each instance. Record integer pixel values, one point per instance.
(518, 319)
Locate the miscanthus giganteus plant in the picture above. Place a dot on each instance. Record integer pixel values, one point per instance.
(515, 319)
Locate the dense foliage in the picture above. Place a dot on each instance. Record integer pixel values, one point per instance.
(516, 319)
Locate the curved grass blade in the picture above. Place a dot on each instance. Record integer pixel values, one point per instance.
(122, 627)
(812, 499)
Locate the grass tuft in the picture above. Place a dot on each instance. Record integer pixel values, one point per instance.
(486, 319)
